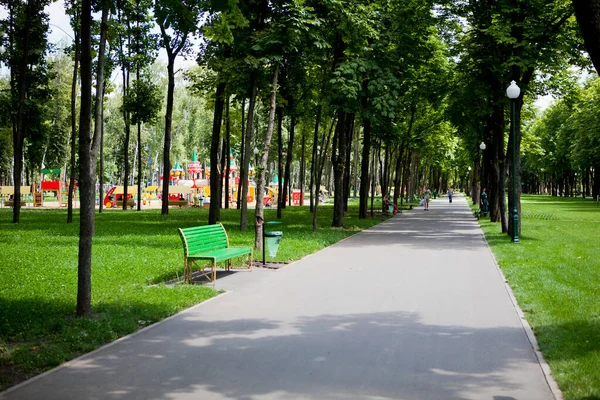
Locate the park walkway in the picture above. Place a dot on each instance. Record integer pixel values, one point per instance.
(414, 308)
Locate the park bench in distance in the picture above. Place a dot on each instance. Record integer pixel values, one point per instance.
(209, 242)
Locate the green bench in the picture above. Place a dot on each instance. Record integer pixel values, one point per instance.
(209, 242)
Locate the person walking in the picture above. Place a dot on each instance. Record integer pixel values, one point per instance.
(450, 193)
(484, 204)
(426, 196)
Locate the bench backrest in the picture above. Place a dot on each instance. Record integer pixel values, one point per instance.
(199, 239)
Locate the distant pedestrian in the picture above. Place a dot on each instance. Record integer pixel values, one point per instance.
(426, 196)
(484, 204)
(450, 193)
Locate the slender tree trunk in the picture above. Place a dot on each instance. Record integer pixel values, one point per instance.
(242, 164)
(73, 128)
(260, 182)
(99, 110)
(313, 161)
(287, 184)
(339, 164)
(302, 168)
(320, 164)
(280, 173)
(364, 171)
(227, 151)
(19, 132)
(86, 168)
(246, 150)
(398, 179)
(215, 174)
(126, 119)
(168, 128)
(347, 182)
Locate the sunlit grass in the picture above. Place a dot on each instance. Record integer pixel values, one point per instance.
(134, 254)
(555, 275)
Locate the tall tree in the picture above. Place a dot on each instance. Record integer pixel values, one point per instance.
(25, 41)
(178, 22)
(88, 150)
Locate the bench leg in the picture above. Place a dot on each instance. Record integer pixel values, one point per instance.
(187, 271)
(214, 272)
(250, 261)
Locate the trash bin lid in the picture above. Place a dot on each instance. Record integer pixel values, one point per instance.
(273, 234)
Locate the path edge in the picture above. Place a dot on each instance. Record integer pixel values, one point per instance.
(552, 384)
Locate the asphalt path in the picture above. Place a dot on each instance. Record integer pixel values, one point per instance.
(414, 308)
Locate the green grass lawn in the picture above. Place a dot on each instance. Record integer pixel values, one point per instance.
(134, 253)
(555, 275)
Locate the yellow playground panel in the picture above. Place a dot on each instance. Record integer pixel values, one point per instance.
(7, 192)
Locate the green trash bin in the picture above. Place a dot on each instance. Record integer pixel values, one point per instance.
(272, 239)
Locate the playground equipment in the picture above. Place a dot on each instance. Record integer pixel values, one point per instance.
(7, 195)
(114, 196)
(179, 195)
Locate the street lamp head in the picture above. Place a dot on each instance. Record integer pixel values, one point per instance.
(482, 146)
(255, 150)
(513, 91)
(469, 169)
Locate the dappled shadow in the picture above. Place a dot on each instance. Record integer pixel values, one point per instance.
(379, 356)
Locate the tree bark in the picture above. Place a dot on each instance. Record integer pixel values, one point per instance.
(73, 128)
(260, 182)
(280, 192)
(287, 184)
(313, 161)
(86, 168)
(246, 150)
(99, 111)
(215, 174)
(168, 128)
(339, 165)
(365, 179)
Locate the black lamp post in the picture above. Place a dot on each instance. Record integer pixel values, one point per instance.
(513, 92)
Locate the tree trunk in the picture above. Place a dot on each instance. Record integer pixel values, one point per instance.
(246, 150)
(19, 132)
(364, 171)
(302, 168)
(99, 110)
(339, 165)
(215, 174)
(280, 193)
(320, 164)
(347, 182)
(242, 165)
(260, 182)
(227, 151)
(86, 168)
(126, 119)
(168, 128)
(313, 161)
(73, 128)
(287, 184)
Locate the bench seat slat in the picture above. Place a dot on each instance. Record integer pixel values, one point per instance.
(222, 254)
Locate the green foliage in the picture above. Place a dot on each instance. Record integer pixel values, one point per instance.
(143, 101)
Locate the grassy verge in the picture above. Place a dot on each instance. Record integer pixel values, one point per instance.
(133, 253)
(555, 275)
